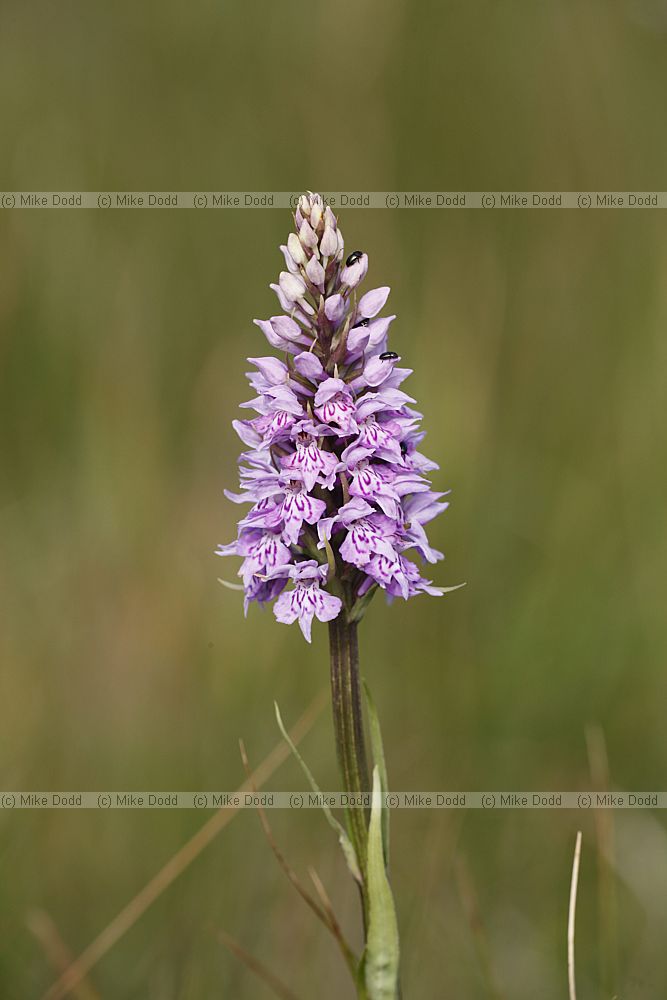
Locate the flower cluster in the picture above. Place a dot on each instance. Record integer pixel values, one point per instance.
(332, 470)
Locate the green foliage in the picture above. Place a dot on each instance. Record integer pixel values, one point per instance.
(382, 946)
(343, 839)
(377, 749)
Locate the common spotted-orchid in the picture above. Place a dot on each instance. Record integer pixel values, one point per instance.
(339, 496)
(332, 470)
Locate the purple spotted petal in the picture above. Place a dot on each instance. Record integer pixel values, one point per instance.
(305, 602)
(298, 507)
(314, 465)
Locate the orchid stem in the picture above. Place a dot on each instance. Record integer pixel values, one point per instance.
(349, 729)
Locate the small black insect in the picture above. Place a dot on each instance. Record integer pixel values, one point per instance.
(389, 356)
(362, 322)
(354, 257)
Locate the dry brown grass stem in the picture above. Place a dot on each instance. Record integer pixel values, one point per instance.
(571, 978)
(323, 913)
(177, 864)
(259, 969)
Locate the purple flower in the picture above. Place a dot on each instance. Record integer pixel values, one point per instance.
(311, 462)
(337, 486)
(297, 507)
(307, 600)
(334, 405)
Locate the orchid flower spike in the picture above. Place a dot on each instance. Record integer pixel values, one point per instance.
(332, 470)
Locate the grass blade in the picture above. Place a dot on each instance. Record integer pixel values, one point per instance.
(571, 979)
(343, 839)
(260, 970)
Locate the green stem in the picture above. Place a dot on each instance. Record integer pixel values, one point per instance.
(349, 728)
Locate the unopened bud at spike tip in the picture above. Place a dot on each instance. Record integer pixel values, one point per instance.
(316, 215)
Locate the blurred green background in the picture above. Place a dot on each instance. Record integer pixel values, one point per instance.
(539, 350)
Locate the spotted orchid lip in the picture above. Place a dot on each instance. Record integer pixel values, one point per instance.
(331, 469)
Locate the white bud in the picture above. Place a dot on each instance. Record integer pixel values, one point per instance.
(289, 263)
(292, 287)
(307, 236)
(315, 272)
(329, 242)
(296, 250)
(341, 245)
(316, 214)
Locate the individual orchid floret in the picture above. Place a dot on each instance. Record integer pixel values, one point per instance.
(312, 463)
(337, 486)
(297, 508)
(307, 600)
(334, 405)
(283, 333)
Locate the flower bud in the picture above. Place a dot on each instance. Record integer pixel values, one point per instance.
(307, 236)
(289, 263)
(329, 242)
(291, 286)
(334, 309)
(352, 274)
(316, 215)
(315, 272)
(295, 249)
(282, 333)
(371, 303)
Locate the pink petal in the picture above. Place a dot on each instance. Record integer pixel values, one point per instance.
(308, 365)
(371, 303)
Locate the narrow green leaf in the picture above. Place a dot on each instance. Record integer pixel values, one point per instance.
(343, 839)
(361, 979)
(377, 748)
(331, 561)
(382, 948)
(359, 607)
